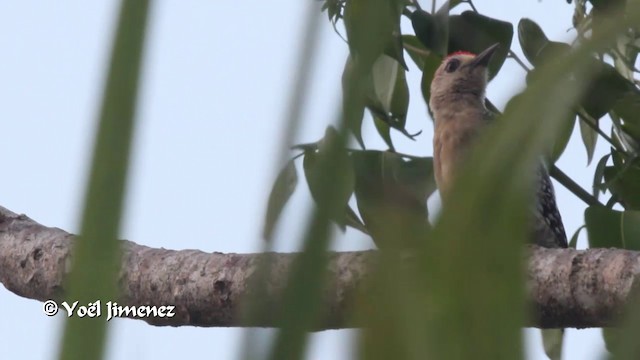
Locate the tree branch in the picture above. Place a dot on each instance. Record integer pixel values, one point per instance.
(567, 288)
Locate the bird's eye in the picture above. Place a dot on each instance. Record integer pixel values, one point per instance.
(452, 65)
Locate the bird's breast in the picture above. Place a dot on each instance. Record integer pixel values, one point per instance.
(451, 145)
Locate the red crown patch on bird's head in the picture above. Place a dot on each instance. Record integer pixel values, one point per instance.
(462, 52)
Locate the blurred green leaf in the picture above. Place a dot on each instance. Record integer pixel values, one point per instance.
(384, 130)
(611, 337)
(96, 253)
(610, 228)
(607, 88)
(368, 42)
(281, 191)
(299, 307)
(392, 196)
(589, 136)
(552, 340)
(563, 139)
(343, 193)
(625, 184)
(622, 180)
(553, 153)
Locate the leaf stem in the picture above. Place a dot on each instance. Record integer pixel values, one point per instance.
(572, 186)
(518, 60)
(416, 49)
(473, 7)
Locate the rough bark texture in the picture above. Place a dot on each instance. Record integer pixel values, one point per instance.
(568, 288)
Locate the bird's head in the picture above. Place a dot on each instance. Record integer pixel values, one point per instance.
(461, 75)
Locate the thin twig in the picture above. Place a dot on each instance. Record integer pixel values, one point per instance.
(417, 49)
(473, 7)
(572, 186)
(518, 60)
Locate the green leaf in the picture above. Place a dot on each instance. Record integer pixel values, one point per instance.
(311, 169)
(354, 221)
(598, 176)
(392, 196)
(552, 340)
(589, 137)
(431, 30)
(386, 96)
(563, 139)
(363, 91)
(607, 88)
(628, 108)
(610, 228)
(368, 42)
(532, 39)
(391, 89)
(574, 239)
(384, 130)
(468, 31)
(536, 46)
(622, 180)
(281, 191)
(473, 32)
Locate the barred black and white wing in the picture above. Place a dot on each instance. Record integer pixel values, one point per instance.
(548, 228)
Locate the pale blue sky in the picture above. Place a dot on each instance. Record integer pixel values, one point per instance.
(216, 82)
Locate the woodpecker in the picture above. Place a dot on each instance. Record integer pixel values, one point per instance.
(459, 112)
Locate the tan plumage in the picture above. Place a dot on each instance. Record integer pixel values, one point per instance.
(457, 103)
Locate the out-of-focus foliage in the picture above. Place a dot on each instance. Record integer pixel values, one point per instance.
(96, 253)
(459, 294)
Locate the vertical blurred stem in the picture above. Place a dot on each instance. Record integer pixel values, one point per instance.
(302, 77)
(306, 55)
(96, 256)
(300, 306)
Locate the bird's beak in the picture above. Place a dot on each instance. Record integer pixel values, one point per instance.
(483, 58)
